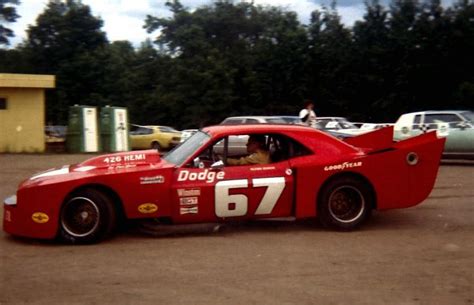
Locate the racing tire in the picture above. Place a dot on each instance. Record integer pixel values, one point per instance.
(87, 217)
(345, 203)
(156, 145)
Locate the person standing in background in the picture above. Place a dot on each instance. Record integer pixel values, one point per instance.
(307, 115)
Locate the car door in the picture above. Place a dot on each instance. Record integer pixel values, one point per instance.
(202, 193)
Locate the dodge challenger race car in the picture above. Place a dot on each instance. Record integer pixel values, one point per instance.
(311, 174)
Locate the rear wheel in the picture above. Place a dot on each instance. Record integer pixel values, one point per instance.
(87, 216)
(345, 203)
(155, 145)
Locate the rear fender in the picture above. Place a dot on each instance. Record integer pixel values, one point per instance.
(412, 169)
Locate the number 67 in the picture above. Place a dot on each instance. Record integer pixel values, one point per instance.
(275, 187)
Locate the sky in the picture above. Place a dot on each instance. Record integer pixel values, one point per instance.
(124, 19)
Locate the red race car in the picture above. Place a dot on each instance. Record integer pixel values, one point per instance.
(307, 173)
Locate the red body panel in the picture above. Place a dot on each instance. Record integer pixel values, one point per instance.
(142, 179)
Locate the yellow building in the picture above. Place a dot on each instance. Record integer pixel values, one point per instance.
(22, 112)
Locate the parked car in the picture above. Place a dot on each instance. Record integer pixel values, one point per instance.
(374, 126)
(292, 119)
(55, 133)
(187, 133)
(153, 136)
(310, 174)
(456, 126)
(256, 119)
(339, 127)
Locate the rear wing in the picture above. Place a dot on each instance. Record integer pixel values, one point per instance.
(382, 140)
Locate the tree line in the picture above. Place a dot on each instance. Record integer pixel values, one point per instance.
(228, 58)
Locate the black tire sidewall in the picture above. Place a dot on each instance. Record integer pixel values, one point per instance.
(324, 214)
(107, 218)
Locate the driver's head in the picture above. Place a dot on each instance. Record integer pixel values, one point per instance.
(255, 142)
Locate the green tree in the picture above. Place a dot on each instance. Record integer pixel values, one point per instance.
(67, 41)
(228, 59)
(372, 65)
(7, 15)
(460, 47)
(330, 60)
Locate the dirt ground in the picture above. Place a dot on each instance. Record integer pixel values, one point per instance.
(421, 255)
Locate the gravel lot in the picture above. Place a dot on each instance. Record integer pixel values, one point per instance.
(421, 255)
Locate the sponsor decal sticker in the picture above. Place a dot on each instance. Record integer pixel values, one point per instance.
(152, 180)
(266, 168)
(120, 167)
(188, 210)
(189, 192)
(342, 166)
(188, 201)
(40, 217)
(205, 175)
(126, 158)
(147, 208)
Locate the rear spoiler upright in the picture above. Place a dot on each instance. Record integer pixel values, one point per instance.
(374, 141)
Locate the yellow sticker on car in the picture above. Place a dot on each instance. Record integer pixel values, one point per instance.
(39, 217)
(147, 208)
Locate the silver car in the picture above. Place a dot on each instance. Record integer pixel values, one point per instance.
(457, 126)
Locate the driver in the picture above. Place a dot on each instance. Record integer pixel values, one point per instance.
(258, 154)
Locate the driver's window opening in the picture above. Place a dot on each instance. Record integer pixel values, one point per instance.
(249, 149)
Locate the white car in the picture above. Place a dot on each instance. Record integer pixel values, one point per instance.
(256, 119)
(339, 127)
(187, 133)
(374, 126)
(457, 126)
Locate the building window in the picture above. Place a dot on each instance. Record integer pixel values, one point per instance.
(3, 103)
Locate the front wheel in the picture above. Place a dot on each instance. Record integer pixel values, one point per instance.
(345, 203)
(87, 216)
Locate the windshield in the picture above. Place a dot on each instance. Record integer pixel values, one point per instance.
(469, 115)
(182, 152)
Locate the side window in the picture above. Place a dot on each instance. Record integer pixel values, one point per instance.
(270, 148)
(144, 130)
(234, 121)
(251, 121)
(433, 119)
(417, 121)
(282, 148)
(3, 103)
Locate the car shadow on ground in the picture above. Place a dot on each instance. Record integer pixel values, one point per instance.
(380, 221)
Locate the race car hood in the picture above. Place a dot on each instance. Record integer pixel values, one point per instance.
(109, 163)
(122, 160)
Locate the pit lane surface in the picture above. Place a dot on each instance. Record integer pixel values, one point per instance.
(421, 255)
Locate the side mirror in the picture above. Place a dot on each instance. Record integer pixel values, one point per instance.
(217, 165)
